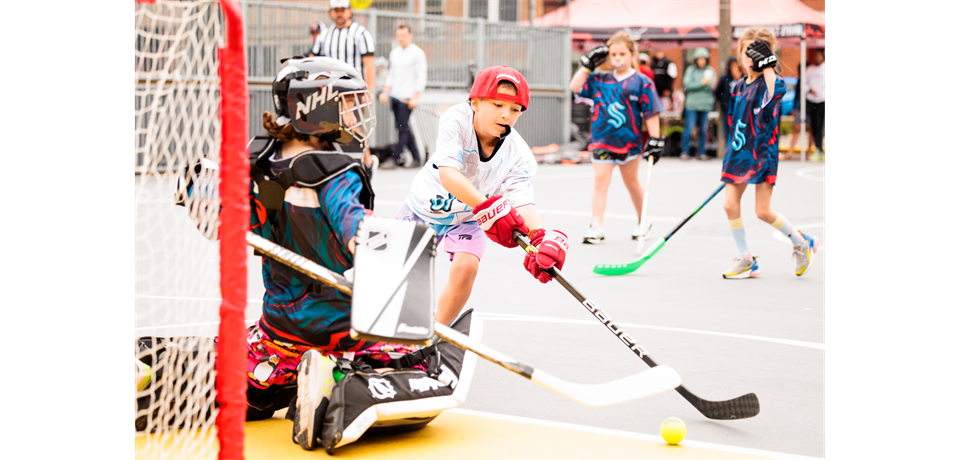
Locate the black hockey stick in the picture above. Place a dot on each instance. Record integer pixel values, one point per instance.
(741, 407)
(618, 391)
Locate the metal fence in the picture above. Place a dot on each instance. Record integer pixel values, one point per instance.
(452, 45)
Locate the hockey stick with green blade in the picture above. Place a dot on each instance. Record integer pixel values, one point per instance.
(744, 406)
(623, 269)
(637, 386)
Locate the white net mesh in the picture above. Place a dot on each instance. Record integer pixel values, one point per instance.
(177, 266)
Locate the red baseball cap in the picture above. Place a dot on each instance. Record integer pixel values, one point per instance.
(485, 85)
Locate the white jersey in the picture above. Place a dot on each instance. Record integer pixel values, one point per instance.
(508, 172)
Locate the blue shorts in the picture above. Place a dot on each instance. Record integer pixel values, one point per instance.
(606, 156)
(464, 237)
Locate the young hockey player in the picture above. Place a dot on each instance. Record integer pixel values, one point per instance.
(478, 183)
(622, 100)
(753, 151)
(309, 196)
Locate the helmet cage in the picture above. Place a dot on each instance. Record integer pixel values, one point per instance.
(331, 102)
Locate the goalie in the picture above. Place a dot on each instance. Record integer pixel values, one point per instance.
(309, 192)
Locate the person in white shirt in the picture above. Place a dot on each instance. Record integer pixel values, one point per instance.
(478, 186)
(816, 101)
(406, 80)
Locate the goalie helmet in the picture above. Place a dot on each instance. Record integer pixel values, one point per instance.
(322, 95)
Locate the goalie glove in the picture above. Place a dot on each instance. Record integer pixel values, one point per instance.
(761, 55)
(654, 147)
(594, 57)
(498, 220)
(551, 253)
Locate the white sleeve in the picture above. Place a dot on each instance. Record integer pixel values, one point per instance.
(449, 142)
(672, 70)
(318, 43)
(517, 187)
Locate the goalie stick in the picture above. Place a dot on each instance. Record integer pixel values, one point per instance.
(623, 269)
(741, 407)
(630, 388)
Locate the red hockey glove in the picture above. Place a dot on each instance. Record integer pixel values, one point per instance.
(551, 253)
(498, 220)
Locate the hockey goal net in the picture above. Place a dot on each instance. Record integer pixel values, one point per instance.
(190, 104)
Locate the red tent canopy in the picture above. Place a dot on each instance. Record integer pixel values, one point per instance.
(684, 20)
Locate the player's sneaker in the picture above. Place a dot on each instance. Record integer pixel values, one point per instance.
(594, 234)
(804, 252)
(314, 383)
(742, 267)
(639, 231)
(684, 156)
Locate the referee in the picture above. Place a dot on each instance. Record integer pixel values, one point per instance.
(351, 43)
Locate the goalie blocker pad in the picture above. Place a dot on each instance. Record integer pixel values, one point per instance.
(400, 400)
(393, 289)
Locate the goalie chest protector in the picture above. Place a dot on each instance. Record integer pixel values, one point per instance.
(324, 166)
(400, 400)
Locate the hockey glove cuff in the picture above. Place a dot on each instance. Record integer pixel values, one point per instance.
(551, 253)
(498, 220)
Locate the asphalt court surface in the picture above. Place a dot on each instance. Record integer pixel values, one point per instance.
(724, 337)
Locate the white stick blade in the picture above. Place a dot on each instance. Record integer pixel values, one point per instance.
(637, 386)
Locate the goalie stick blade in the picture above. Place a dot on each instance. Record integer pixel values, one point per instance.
(657, 380)
(637, 386)
(745, 406)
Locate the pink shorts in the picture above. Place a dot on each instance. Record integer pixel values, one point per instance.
(465, 237)
(272, 362)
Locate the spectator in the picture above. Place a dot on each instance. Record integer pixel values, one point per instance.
(315, 30)
(642, 64)
(816, 97)
(796, 123)
(698, 83)
(664, 72)
(354, 46)
(722, 92)
(406, 80)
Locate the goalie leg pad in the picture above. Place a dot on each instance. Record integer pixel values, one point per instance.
(398, 400)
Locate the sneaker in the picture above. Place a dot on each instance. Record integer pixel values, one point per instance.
(684, 156)
(314, 383)
(390, 164)
(804, 252)
(594, 234)
(817, 156)
(703, 157)
(143, 375)
(742, 267)
(639, 231)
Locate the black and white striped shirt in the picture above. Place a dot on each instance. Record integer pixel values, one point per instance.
(348, 44)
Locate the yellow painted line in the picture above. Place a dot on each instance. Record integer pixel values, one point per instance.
(460, 435)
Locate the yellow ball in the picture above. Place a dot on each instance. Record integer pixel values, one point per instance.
(673, 430)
